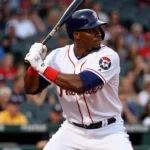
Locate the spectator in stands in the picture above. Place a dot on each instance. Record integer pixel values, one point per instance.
(144, 95)
(6, 45)
(38, 99)
(120, 47)
(2, 81)
(114, 28)
(97, 7)
(115, 22)
(20, 69)
(62, 40)
(126, 85)
(45, 7)
(63, 4)
(36, 20)
(11, 36)
(129, 113)
(52, 19)
(11, 115)
(131, 77)
(86, 4)
(145, 50)
(18, 88)
(2, 53)
(24, 28)
(143, 3)
(48, 96)
(146, 76)
(2, 21)
(14, 4)
(55, 118)
(133, 50)
(7, 69)
(5, 94)
(5, 9)
(140, 68)
(145, 117)
(136, 35)
(25, 4)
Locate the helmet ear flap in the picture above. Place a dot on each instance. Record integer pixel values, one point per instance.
(70, 33)
(102, 33)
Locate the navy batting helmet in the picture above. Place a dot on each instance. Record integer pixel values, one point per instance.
(83, 19)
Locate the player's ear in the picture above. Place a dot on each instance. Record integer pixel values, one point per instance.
(76, 35)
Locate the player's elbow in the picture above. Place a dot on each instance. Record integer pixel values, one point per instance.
(28, 91)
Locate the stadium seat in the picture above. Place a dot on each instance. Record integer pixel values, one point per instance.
(128, 16)
(42, 113)
(1, 34)
(143, 16)
(129, 2)
(20, 48)
(125, 66)
(142, 147)
(139, 109)
(146, 139)
(29, 109)
(112, 5)
(52, 43)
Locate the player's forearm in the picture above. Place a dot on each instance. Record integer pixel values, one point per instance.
(70, 82)
(30, 83)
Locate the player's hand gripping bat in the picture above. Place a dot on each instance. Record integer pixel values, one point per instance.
(72, 7)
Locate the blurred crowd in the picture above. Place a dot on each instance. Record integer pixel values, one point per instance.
(23, 22)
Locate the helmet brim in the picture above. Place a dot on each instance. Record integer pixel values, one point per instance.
(93, 25)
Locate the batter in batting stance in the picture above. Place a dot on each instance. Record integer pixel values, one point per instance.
(86, 74)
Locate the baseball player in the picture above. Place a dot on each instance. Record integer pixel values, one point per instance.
(86, 75)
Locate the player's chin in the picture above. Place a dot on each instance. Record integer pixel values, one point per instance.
(96, 46)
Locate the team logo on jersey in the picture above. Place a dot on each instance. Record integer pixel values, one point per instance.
(105, 63)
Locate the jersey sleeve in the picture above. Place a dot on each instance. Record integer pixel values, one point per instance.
(105, 65)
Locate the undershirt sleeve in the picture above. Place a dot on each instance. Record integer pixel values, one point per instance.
(90, 80)
(43, 83)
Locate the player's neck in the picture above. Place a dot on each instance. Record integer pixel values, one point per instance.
(80, 51)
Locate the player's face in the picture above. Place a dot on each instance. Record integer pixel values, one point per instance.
(91, 38)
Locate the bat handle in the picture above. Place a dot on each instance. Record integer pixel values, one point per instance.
(46, 39)
(27, 63)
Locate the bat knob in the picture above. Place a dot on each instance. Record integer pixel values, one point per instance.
(27, 64)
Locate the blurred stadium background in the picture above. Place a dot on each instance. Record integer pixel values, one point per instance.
(23, 22)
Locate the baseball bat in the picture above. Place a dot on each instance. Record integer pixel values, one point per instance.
(72, 7)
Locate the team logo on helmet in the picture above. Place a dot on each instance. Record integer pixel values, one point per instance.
(105, 63)
(95, 15)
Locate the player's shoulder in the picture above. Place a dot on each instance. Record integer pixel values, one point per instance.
(60, 51)
(105, 50)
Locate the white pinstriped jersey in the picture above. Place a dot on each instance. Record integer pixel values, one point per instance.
(99, 103)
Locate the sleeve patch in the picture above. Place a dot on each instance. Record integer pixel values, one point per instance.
(105, 63)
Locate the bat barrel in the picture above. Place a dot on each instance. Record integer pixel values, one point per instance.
(74, 5)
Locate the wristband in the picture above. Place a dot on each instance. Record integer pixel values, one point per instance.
(32, 72)
(50, 73)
